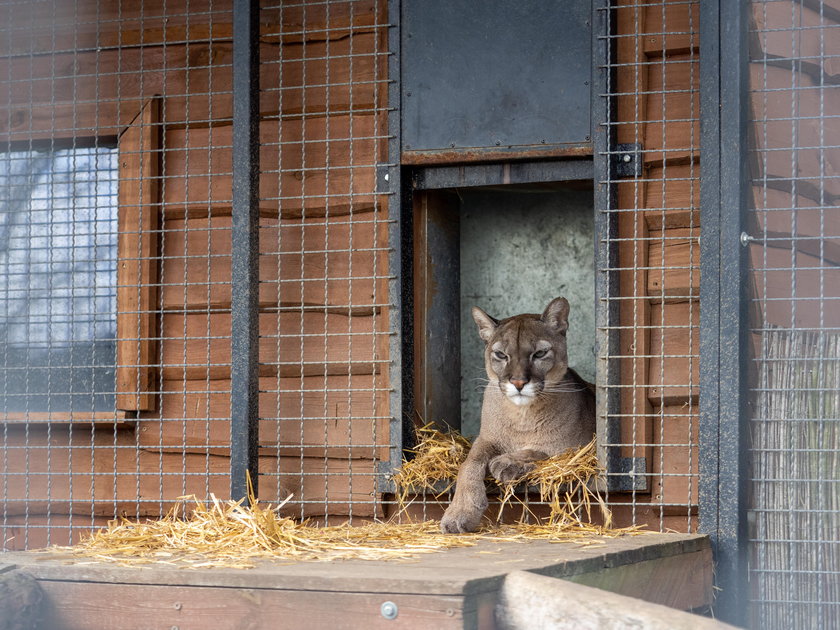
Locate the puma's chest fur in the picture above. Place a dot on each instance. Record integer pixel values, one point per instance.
(533, 399)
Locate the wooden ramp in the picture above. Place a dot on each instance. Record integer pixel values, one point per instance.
(458, 588)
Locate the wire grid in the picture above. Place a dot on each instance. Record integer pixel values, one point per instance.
(115, 182)
(324, 402)
(795, 240)
(654, 93)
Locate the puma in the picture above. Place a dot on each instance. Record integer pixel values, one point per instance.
(534, 407)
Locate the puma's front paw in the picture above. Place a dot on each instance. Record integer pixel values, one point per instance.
(462, 515)
(460, 521)
(508, 469)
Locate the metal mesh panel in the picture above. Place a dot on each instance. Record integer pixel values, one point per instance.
(794, 235)
(650, 432)
(115, 232)
(116, 239)
(324, 322)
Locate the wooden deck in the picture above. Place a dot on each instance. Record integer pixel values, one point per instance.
(458, 588)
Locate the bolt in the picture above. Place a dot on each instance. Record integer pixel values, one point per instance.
(177, 605)
(498, 142)
(746, 239)
(450, 612)
(451, 145)
(388, 610)
(387, 177)
(627, 158)
(408, 93)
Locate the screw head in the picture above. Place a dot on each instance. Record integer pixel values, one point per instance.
(388, 610)
(626, 158)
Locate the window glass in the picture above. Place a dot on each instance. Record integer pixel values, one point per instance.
(58, 249)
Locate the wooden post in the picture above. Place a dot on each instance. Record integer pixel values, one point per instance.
(137, 267)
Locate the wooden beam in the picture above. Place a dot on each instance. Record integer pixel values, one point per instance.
(137, 266)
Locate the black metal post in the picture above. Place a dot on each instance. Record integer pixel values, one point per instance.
(724, 335)
(244, 394)
(399, 286)
(606, 230)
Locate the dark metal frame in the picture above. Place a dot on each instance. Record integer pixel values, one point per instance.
(724, 354)
(606, 229)
(400, 288)
(244, 397)
(600, 169)
(611, 162)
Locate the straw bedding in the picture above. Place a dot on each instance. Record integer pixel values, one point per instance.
(234, 535)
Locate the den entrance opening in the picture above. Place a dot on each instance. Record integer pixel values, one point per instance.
(519, 249)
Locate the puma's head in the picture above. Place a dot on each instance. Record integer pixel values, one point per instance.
(525, 353)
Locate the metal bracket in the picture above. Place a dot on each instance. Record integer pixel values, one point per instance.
(383, 178)
(384, 480)
(627, 160)
(627, 474)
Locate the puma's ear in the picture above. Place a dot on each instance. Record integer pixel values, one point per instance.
(556, 315)
(486, 324)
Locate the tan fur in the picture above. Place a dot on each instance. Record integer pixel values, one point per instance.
(534, 407)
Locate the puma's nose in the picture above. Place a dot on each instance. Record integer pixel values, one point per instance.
(519, 383)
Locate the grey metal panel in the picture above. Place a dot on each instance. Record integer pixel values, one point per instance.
(495, 74)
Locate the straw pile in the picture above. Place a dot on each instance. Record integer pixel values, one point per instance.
(434, 467)
(565, 482)
(234, 535)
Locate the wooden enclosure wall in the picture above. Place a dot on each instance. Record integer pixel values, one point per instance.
(657, 86)
(158, 77)
(794, 165)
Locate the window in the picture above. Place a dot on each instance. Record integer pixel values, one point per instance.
(58, 248)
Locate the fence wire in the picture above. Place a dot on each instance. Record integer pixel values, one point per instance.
(795, 234)
(324, 321)
(654, 123)
(110, 208)
(115, 259)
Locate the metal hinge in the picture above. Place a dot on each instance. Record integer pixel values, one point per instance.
(627, 160)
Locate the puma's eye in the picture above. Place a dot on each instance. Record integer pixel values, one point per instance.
(499, 355)
(539, 354)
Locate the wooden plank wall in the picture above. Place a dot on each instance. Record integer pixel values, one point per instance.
(86, 70)
(795, 165)
(657, 87)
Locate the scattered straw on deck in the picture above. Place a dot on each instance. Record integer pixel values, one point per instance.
(234, 535)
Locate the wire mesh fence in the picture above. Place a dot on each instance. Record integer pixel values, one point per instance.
(108, 202)
(324, 262)
(794, 233)
(116, 229)
(652, 252)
